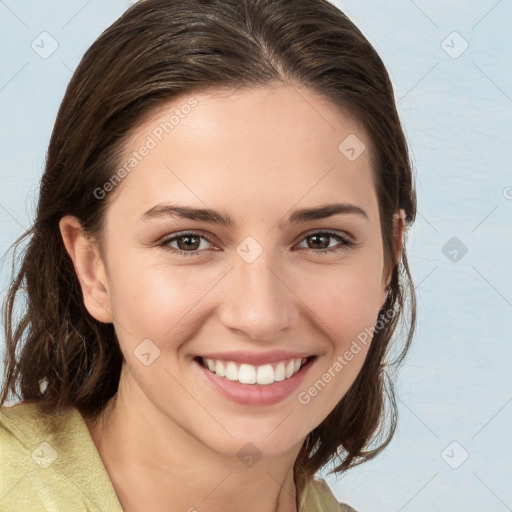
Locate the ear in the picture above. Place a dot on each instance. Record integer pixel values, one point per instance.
(89, 268)
(398, 233)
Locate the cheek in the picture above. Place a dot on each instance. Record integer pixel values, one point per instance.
(344, 300)
(345, 305)
(156, 299)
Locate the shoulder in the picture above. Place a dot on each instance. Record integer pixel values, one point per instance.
(25, 445)
(48, 461)
(23, 427)
(318, 497)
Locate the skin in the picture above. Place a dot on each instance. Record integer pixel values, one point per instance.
(256, 155)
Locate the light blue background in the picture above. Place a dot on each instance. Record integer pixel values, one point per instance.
(456, 384)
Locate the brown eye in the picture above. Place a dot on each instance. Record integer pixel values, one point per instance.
(318, 241)
(186, 244)
(321, 242)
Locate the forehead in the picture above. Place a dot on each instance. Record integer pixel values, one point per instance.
(279, 143)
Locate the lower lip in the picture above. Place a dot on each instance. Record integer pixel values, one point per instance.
(255, 394)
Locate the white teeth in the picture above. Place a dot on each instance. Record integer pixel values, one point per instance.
(231, 371)
(265, 374)
(219, 369)
(279, 373)
(290, 368)
(248, 374)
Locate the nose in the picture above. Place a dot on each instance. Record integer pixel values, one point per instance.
(257, 303)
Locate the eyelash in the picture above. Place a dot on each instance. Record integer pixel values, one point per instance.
(345, 243)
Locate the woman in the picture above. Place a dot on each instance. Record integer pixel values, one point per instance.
(216, 267)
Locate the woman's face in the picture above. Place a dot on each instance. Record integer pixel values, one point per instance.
(273, 253)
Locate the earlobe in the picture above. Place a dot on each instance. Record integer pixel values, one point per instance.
(89, 268)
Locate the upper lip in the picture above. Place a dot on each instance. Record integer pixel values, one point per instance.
(255, 359)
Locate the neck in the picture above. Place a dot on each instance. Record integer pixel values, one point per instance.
(153, 462)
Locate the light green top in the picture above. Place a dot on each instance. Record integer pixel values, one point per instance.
(49, 463)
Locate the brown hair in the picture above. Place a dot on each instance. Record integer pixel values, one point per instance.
(155, 51)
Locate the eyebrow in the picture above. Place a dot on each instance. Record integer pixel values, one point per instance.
(187, 212)
(322, 212)
(207, 215)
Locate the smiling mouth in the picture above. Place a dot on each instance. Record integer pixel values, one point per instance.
(263, 375)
